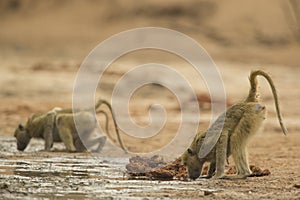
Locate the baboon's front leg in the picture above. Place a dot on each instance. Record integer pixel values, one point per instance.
(221, 154)
(48, 131)
(211, 171)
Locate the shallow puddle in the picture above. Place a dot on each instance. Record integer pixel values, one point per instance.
(37, 174)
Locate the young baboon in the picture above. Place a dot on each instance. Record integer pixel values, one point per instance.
(58, 126)
(229, 135)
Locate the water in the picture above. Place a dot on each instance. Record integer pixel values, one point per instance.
(39, 174)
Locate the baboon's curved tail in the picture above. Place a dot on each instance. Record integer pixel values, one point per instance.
(106, 119)
(98, 104)
(253, 94)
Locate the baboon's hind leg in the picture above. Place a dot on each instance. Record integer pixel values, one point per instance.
(67, 138)
(101, 142)
(240, 157)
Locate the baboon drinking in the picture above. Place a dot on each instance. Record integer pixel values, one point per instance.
(58, 126)
(229, 135)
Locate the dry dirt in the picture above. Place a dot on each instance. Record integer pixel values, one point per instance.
(41, 50)
(36, 174)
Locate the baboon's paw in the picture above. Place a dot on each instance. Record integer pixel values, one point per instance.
(233, 177)
(205, 177)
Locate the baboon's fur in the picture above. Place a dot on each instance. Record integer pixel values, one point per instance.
(241, 121)
(58, 126)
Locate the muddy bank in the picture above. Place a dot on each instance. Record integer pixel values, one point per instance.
(36, 174)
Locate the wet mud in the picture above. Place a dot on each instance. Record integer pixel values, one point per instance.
(155, 168)
(35, 174)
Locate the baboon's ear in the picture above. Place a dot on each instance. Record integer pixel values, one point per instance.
(190, 151)
(21, 127)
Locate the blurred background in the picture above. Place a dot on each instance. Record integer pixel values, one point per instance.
(257, 31)
(43, 42)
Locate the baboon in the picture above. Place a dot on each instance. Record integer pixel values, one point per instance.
(229, 135)
(58, 125)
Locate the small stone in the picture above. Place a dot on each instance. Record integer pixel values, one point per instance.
(206, 192)
(297, 186)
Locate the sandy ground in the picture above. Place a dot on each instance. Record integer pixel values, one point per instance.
(41, 50)
(36, 174)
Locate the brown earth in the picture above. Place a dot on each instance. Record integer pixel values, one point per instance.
(43, 43)
(155, 168)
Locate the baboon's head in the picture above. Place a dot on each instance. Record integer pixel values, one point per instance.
(22, 136)
(191, 160)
